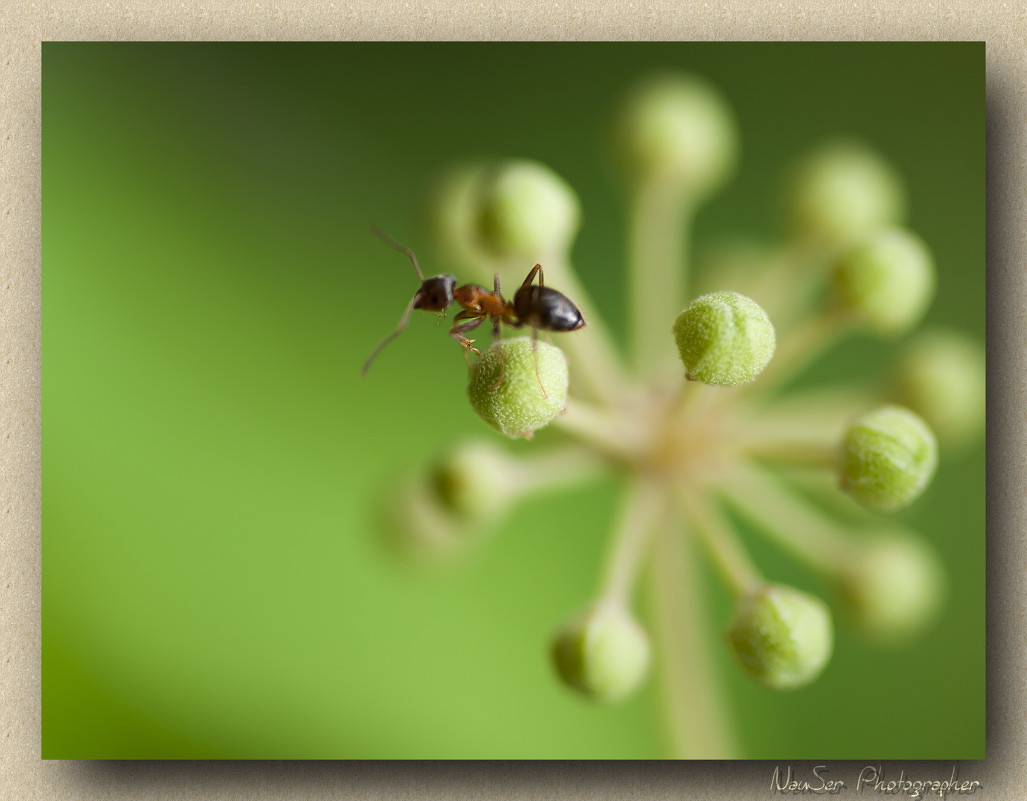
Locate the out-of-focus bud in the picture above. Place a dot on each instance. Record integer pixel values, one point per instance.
(886, 281)
(474, 482)
(677, 129)
(782, 637)
(842, 191)
(940, 375)
(525, 211)
(603, 653)
(892, 587)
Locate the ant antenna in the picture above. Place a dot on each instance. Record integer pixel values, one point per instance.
(399, 330)
(392, 243)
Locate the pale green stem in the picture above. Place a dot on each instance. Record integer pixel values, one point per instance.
(599, 427)
(803, 428)
(792, 522)
(697, 711)
(658, 242)
(728, 554)
(594, 358)
(556, 469)
(786, 287)
(795, 452)
(800, 347)
(815, 412)
(638, 516)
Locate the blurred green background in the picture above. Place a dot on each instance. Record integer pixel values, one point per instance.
(212, 582)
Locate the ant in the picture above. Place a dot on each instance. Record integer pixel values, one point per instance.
(541, 308)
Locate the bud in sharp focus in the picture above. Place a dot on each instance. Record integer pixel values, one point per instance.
(724, 339)
(603, 654)
(886, 281)
(888, 458)
(510, 395)
(781, 637)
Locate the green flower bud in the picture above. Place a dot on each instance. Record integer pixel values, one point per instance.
(888, 458)
(843, 191)
(781, 636)
(603, 653)
(724, 339)
(505, 388)
(892, 587)
(416, 526)
(451, 211)
(941, 376)
(678, 129)
(473, 482)
(886, 281)
(526, 211)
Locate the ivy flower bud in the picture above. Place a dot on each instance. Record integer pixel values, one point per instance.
(473, 482)
(886, 281)
(678, 129)
(505, 388)
(782, 637)
(450, 212)
(941, 376)
(888, 458)
(724, 339)
(892, 587)
(843, 191)
(603, 654)
(526, 211)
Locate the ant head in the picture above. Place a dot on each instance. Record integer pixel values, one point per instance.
(435, 294)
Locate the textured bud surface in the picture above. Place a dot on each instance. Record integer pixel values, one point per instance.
(603, 654)
(526, 211)
(893, 587)
(888, 458)
(724, 338)
(782, 637)
(678, 128)
(504, 388)
(843, 191)
(941, 377)
(886, 281)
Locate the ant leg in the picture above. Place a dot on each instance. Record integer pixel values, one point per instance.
(499, 352)
(531, 276)
(471, 320)
(403, 321)
(534, 351)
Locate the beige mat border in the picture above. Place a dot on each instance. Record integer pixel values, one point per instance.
(25, 25)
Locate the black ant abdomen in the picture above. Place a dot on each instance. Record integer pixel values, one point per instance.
(543, 308)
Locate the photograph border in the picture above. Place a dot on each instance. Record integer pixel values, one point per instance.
(24, 775)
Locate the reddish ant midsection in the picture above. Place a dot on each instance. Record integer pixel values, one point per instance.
(478, 299)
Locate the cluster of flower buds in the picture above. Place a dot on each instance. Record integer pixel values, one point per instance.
(691, 442)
